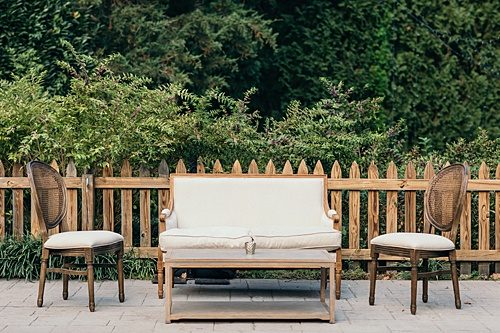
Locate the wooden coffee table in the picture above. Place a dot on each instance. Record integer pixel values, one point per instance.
(262, 259)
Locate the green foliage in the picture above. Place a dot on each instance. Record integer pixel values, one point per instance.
(32, 37)
(21, 259)
(209, 45)
(339, 127)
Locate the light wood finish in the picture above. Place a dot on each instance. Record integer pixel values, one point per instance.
(318, 168)
(72, 197)
(88, 202)
(428, 174)
(253, 168)
(344, 184)
(50, 199)
(145, 209)
(466, 230)
(270, 168)
(444, 199)
(284, 310)
(336, 196)
(302, 170)
(180, 167)
(200, 167)
(262, 259)
(410, 201)
(484, 219)
(392, 201)
(354, 209)
(17, 204)
(287, 168)
(108, 215)
(373, 202)
(236, 168)
(126, 206)
(163, 195)
(218, 167)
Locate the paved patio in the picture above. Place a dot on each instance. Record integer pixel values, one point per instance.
(143, 311)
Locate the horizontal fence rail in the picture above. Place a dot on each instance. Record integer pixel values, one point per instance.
(367, 206)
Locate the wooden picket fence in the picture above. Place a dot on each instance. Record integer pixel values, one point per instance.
(82, 204)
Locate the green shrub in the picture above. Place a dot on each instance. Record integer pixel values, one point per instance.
(21, 259)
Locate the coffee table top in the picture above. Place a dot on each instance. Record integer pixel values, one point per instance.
(237, 258)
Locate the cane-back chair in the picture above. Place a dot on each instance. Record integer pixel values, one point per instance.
(49, 198)
(443, 202)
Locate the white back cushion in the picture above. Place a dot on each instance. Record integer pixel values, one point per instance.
(205, 201)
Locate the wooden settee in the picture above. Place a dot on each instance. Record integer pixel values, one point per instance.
(225, 211)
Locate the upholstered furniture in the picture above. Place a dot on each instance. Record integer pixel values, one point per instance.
(49, 198)
(261, 259)
(225, 211)
(442, 206)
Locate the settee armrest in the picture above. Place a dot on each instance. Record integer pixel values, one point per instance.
(332, 217)
(168, 217)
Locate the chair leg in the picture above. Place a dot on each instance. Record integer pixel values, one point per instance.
(89, 259)
(425, 281)
(454, 279)
(43, 273)
(160, 273)
(119, 266)
(322, 285)
(414, 277)
(373, 276)
(338, 272)
(65, 278)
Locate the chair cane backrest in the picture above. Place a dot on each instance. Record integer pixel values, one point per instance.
(444, 198)
(48, 194)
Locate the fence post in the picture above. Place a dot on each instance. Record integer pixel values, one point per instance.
(88, 202)
(126, 206)
(17, 204)
(336, 195)
(354, 197)
(373, 203)
(392, 201)
(466, 228)
(484, 220)
(72, 203)
(145, 211)
(410, 201)
(163, 194)
(108, 214)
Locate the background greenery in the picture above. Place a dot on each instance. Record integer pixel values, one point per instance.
(436, 64)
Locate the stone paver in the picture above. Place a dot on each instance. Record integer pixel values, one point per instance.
(143, 312)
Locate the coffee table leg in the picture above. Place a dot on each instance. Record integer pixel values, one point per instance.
(322, 285)
(331, 307)
(168, 296)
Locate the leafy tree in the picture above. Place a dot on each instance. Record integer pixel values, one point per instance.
(32, 33)
(213, 44)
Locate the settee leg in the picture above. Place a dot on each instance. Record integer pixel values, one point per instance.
(160, 273)
(338, 272)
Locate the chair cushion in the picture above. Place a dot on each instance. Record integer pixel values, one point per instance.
(78, 239)
(205, 238)
(415, 241)
(297, 238)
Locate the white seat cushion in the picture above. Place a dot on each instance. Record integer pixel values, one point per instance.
(205, 238)
(297, 238)
(78, 239)
(415, 241)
